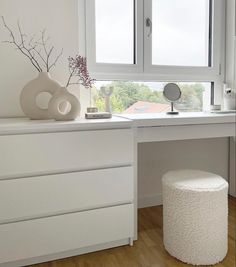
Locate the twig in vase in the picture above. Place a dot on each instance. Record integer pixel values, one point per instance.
(55, 61)
(18, 46)
(27, 49)
(32, 49)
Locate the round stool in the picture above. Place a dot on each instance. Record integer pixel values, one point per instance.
(195, 216)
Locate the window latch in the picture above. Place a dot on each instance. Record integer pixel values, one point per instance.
(149, 24)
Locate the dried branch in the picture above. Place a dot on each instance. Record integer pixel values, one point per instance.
(34, 46)
(21, 34)
(48, 56)
(31, 49)
(55, 61)
(27, 49)
(31, 40)
(21, 47)
(45, 48)
(44, 41)
(47, 52)
(14, 42)
(40, 56)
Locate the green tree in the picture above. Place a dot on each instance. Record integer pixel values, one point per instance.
(191, 99)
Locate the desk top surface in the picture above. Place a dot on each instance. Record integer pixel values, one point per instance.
(184, 118)
(24, 125)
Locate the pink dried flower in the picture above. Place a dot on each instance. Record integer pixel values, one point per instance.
(78, 68)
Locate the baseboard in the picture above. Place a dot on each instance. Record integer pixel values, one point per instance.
(232, 193)
(149, 201)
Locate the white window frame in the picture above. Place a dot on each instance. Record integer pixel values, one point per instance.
(143, 70)
(99, 68)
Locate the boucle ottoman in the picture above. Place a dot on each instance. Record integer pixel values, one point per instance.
(195, 216)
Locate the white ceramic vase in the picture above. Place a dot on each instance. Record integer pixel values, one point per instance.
(64, 106)
(43, 83)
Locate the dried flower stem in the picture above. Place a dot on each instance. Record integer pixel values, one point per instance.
(78, 69)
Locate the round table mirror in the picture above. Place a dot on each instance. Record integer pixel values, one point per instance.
(172, 93)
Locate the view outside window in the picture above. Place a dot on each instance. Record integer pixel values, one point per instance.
(180, 34)
(147, 97)
(114, 31)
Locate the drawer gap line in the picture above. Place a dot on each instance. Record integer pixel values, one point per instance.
(42, 174)
(64, 213)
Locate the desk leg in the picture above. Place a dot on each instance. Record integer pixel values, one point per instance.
(135, 184)
(131, 242)
(232, 167)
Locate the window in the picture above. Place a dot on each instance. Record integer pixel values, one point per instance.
(181, 32)
(147, 97)
(155, 40)
(114, 36)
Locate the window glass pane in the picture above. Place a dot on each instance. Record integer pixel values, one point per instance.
(114, 31)
(147, 97)
(180, 33)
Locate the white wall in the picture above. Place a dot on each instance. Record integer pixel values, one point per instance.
(157, 158)
(60, 18)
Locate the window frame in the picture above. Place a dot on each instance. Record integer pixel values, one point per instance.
(143, 69)
(91, 43)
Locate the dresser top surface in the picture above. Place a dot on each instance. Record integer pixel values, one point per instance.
(24, 125)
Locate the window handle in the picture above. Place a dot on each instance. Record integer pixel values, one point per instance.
(149, 24)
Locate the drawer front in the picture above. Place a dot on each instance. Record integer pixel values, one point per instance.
(55, 194)
(44, 153)
(46, 236)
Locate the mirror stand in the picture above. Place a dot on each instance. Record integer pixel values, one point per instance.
(172, 112)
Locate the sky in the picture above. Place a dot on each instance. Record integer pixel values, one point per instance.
(179, 36)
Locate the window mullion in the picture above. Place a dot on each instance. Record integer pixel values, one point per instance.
(218, 36)
(147, 35)
(90, 33)
(139, 28)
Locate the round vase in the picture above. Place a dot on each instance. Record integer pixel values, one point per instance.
(28, 96)
(64, 106)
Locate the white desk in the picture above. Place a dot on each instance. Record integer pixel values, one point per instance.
(115, 141)
(186, 126)
(163, 127)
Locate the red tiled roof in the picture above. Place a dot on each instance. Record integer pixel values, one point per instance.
(147, 107)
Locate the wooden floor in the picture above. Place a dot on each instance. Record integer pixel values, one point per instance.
(148, 251)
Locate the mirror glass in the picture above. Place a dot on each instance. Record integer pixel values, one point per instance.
(172, 92)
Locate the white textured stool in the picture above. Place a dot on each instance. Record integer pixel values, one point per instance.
(195, 216)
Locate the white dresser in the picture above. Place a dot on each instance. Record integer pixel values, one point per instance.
(66, 188)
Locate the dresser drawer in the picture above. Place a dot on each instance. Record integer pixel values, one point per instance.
(56, 234)
(32, 154)
(55, 194)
